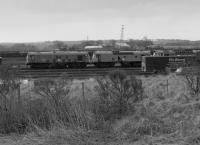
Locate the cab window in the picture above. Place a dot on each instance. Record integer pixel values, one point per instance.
(80, 58)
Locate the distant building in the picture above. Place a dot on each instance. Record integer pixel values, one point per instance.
(93, 47)
(122, 44)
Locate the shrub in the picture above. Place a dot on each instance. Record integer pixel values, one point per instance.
(193, 82)
(13, 117)
(59, 107)
(117, 95)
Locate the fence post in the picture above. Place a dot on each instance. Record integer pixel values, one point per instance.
(83, 90)
(19, 94)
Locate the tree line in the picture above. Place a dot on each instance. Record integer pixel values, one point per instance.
(77, 45)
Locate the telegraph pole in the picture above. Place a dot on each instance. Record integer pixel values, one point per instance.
(122, 36)
(122, 33)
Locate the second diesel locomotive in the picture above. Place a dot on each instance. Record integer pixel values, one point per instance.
(124, 58)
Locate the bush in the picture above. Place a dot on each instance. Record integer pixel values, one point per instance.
(13, 121)
(60, 107)
(52, 105)
(193, 82)
(117, 95)
(13, 117)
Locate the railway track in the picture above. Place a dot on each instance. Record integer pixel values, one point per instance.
(73, 73)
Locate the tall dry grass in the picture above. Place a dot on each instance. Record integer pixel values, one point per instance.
(159, 110)
(167, 115)
(52, 106)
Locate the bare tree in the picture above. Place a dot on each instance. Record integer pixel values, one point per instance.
(61, 107)
(10, 85)
(56, 94)
(193, 81)
(60, 45)
(117, 92)
(13, 118)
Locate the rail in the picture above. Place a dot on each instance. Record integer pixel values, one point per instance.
(74, 73)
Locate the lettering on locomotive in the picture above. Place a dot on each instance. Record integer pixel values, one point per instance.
(177, 60)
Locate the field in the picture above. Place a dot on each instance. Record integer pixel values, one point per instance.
(167, 115)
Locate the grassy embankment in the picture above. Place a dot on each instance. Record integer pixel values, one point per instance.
(161, 111)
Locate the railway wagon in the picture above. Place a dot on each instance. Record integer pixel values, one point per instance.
(124, 58)
(60, 59)
(160, 63)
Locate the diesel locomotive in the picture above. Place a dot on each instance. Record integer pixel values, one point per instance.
(58, 59)
(80, 59)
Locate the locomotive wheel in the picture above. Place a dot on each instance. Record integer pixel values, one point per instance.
(39, 66)
(83, 65)
(105, 64)
(126, 64)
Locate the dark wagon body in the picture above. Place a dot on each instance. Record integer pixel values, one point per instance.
(160, 63)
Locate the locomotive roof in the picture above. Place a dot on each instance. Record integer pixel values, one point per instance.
(57, 52)
(70, 52)
(173, 56)
(121, 52)
(134, 52)
(103, 52)
(41, 53)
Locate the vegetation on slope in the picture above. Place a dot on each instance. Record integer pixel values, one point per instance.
(126, 110)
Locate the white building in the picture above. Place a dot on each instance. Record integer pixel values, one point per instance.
(93, 47)
(122, 44)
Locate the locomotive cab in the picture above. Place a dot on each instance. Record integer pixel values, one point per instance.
(39, 59)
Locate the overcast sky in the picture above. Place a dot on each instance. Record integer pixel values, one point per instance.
(46, 20)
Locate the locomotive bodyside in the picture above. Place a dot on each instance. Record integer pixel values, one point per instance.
(71, 59)
(60, 59)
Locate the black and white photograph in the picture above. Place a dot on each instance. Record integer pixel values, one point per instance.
(99, 72)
